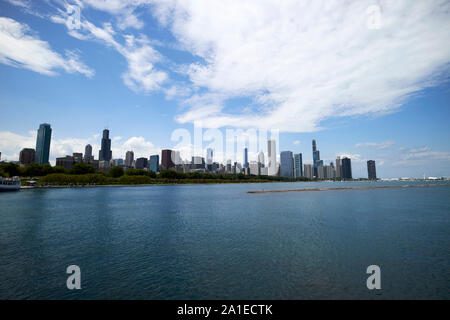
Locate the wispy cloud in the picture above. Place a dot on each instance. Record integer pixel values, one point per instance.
(141, 76)
(380, 146)
(308, 61)
(20, 47)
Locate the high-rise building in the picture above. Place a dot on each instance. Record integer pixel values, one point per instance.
(371, 170)
(261, 159)
(298, 165)
(197, 162)
(141, 163)
(228, 167)
(66, 162)
(105, 153)
(154, 163)
(321, 172)
(43, 141)
(166, 159)
(272, 157)
(308, 172)
(246, 158)
(209, 156)
(27, 156)
(129, 159)
(338, 167)
(88, 154)
(316, 158)
(331, 171)
(346, 167)
(77, 157)
(287, 164)
(255, 168)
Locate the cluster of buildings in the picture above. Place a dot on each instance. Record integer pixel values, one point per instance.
(290, 164)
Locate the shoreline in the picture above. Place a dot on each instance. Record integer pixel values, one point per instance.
(250, 191)
(145, 185)
(348, 188)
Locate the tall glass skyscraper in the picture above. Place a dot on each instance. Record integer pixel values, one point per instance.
(245, 157)
(371, 171)
(154, 163)
(105, 153)
(316, 157)
(298, 165)
(43, 140)
(287, 164)
(346, 165)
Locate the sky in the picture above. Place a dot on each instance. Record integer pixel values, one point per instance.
(366, 79)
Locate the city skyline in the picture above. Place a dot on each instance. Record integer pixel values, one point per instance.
(395, 114)
(290, 164)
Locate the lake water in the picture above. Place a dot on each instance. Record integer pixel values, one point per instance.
(219, 242)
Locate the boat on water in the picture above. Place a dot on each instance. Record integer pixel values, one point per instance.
(10, 184)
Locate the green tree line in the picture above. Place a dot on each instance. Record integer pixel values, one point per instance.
(83, 174)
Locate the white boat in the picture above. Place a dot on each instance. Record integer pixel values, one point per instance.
(10, 184)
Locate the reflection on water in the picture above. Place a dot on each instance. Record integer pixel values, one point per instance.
(219, 242)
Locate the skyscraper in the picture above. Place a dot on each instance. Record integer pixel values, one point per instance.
(43, 143)
(166, 159)
(287, 164)
(129, 158)
(209, 156)
(261, 159)
(154, 163)
(246, 158)
(272, 157)
(371, 170)
(338, 167)
(27, 156)
(346, 165)
(141, 163)
(316, 157)
(308, 171)
(77, 157)
(88, 154)
(298, 165)
(105, 153)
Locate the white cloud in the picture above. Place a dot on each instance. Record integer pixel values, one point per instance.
(308, 61)
(20, 3)
(21, 48)
(380, 146)
(140, 147)
(141, 74)
(425, 153)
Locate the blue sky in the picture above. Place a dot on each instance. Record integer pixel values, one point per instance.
(366, 81)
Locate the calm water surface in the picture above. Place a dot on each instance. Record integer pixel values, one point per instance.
(218, 242)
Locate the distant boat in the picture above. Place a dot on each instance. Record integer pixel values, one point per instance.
(10, 184)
